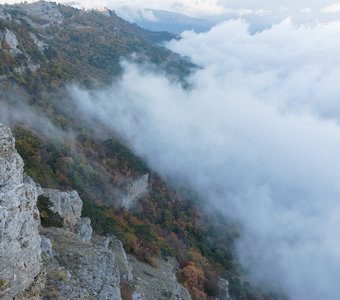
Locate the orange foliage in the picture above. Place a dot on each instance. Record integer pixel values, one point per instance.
(192, 277)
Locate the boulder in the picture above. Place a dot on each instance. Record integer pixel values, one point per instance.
(67, 204)
(83, 229)
(46, 246)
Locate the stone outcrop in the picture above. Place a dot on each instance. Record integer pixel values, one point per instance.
(47, 12)
(115, 245)
(42, 46)
(223, 286)
(10, 42)
(158, 282)
(133, 191)
(83, 229)
(46, 246)
(67, 204)
(78, 269)
(20, 242)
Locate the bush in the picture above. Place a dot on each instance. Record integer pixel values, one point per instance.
(47, 216)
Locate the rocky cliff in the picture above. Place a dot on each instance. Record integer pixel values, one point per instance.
(69, 262)
(20, 250)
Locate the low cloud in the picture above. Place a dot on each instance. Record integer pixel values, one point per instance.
(257, 136)
(15, 110)
(334, 8)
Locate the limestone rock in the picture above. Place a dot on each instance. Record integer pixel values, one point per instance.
(125, 267)
(42, 46)
(11, 164)
(45, 11)
(67, 204)
(83, 229)
(158, 282)
(223, 286)
(137, 296)
(46, 246)
(12, 42)
(133, 191)
(80, 270)
(11, 39)
(20, 249)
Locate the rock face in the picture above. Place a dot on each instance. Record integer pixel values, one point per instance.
(46, 246)
(10, 42)
(42, 46)
(67, 204)
(83, 229)
(157, 283)
(46, 11)
(11, 39)
(133, 191)
(124, 265)
(224, 290)
(20, 249)
(79, 270)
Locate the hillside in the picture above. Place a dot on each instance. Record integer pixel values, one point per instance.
(67, 43)
(45, 47)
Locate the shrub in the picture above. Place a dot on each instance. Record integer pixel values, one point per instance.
(47, 216)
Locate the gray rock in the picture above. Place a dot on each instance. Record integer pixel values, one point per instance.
(42, 46)
(20, 249)
(45, 11)
(67, 204)
(137, 296)
(158, 282)
(133, 191)
(12, 41)
(223, 286)
(11, 164)
(80, 270)
(46, 246)
(125, 267)
(83, 229)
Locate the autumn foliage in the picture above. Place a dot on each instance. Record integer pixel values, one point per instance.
(192, 277)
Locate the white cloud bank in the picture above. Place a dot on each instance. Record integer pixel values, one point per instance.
(258, 136)
(333, 8)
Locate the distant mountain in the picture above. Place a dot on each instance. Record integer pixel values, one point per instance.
(173, 22)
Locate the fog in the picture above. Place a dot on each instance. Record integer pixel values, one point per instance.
(15, 110)
(257, 136)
